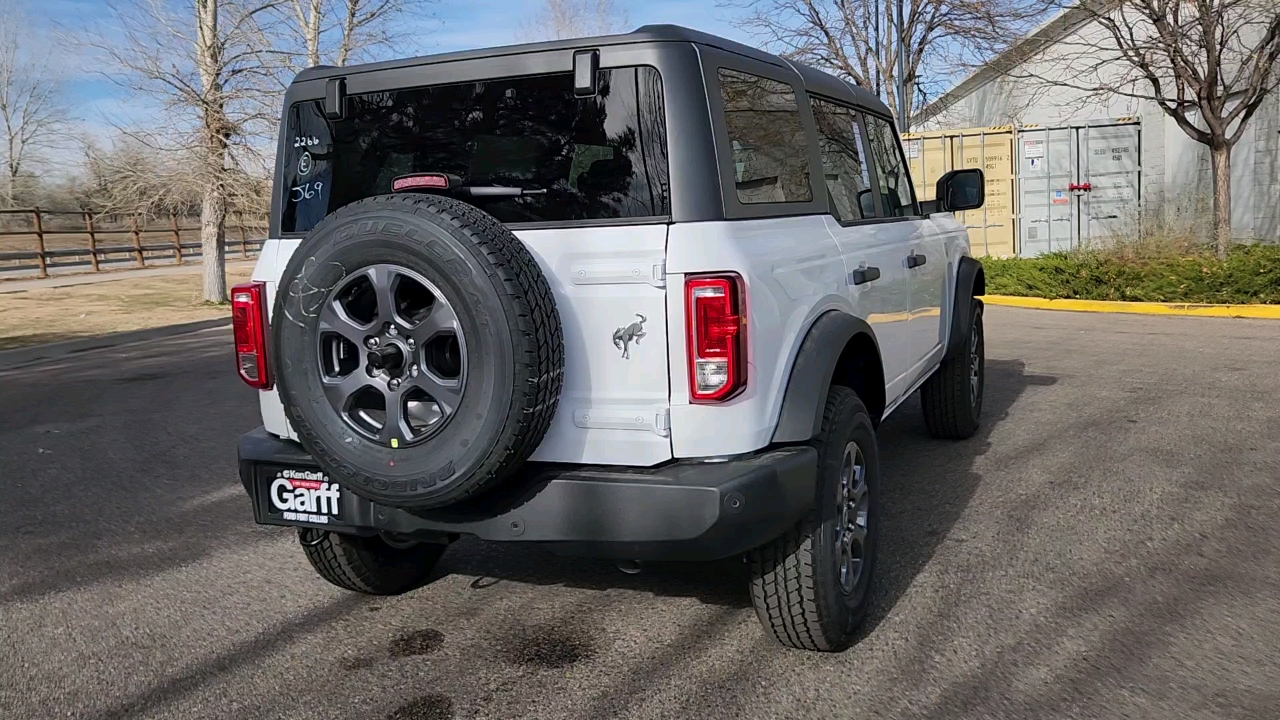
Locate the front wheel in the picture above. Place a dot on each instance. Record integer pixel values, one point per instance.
(952, 396)
(812, 586)
(368, 564)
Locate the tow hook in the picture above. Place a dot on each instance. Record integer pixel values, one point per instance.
(310, 537)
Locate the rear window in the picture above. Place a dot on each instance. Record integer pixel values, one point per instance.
(598, 158)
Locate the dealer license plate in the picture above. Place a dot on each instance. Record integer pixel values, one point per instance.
(289, 496)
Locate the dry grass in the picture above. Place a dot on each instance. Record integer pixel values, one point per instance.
(32, 317)
(1149, 246)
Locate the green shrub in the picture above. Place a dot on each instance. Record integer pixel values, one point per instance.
(1248, 274)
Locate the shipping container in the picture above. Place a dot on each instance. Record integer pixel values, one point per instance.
(1047, 188)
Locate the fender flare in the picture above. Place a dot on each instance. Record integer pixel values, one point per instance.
(805, 397)
(971, 283)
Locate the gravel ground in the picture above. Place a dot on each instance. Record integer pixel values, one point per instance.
(1109, 546)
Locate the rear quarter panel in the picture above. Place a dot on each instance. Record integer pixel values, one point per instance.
(793, 272)
(271, 262)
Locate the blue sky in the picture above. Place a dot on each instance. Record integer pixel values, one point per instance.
(483, 23)
(451, 25)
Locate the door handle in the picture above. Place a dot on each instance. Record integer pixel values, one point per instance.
(914, 260)
(864, 275)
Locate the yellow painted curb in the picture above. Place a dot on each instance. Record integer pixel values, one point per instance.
(1269, 312)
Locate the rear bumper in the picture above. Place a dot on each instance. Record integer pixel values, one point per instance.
(681, 511)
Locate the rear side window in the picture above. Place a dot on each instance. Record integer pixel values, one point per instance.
(843, 163)
(597, 158)
(770, 153)
(891, 169)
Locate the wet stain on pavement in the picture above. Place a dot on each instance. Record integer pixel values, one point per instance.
(428, 707)
(418, 642)
(546, 647)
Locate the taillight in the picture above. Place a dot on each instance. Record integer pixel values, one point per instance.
(716, 321)
(249, 320)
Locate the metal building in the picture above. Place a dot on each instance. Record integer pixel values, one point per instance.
(1080, 174)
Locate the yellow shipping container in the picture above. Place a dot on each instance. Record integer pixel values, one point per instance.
(992, 228)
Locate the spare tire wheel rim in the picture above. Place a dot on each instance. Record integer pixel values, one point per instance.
(852, 513)
(393, 357)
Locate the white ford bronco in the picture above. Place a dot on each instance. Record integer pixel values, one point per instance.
(640, 297)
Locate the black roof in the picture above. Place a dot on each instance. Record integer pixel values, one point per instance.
(816, 81)
(824, 83)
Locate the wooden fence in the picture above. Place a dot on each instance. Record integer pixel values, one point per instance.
(40, 240)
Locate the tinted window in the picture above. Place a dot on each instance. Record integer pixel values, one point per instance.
(770, 154)
(840, 141)
(601, 157)
(891, 169)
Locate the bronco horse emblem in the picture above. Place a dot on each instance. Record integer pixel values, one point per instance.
(624, 336)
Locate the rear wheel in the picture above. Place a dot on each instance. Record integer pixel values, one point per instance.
(369, 564)
(811, 587)
(952, 397)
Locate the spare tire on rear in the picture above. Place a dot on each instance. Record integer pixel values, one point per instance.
(418, 351)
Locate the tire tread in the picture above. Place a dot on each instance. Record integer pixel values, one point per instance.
(784, 575)
(350, 563)
(944, 398)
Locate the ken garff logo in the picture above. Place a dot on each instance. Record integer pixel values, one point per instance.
(624, 336)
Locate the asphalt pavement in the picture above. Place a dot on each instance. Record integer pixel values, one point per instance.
(1107, 547)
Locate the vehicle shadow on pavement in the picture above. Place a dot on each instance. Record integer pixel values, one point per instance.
(722, 583)
(928, 483)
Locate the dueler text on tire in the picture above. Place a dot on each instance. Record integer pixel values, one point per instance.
(811, 587)
(417, 349)
(368, 564)
(952, 397)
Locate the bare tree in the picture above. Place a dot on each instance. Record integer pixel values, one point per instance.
(561, 19)
(129, 177)
(860, 40)
(340, 31)
(32, 115)
(210, 65)
(1207, 64)
(309, 16)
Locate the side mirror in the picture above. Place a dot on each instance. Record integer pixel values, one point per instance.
(961, 190)
(866, 203)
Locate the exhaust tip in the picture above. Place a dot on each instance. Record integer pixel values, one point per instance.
(630, 567)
